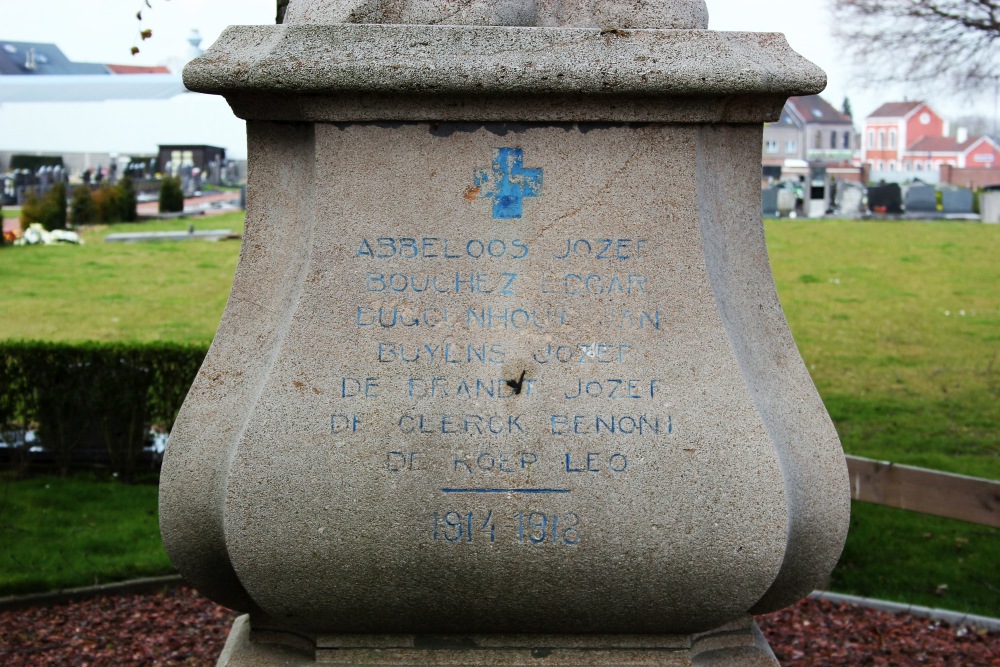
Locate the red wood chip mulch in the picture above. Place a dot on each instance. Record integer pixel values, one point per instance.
(179, 627)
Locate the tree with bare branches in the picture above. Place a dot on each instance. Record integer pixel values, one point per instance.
(953, 42)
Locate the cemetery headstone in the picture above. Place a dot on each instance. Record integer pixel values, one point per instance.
(819, 196)
(504, 378)
(214, 170)
(989, 206)
(769, 201)
(23, 182)
(188, 181)
(786, 201)
(958, 202)
(850, 200)
(886, 198)
(921, 199)
(229, 174)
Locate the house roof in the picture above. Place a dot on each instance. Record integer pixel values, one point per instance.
(89, 88)
(47, 75)
(895, 110)
(138, 69)
(814, 109)
(35, 58)
(946, 144)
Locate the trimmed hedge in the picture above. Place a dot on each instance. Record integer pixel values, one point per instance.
(171, 195)
(104, 203)
(82, 206)
(49, 210)
(128, 202)
(93, 402)
(34, 162)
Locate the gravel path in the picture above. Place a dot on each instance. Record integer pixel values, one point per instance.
(179, 627)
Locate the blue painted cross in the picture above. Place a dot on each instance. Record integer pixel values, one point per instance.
(509, 183)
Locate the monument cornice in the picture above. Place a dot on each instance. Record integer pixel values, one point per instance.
(358, 72)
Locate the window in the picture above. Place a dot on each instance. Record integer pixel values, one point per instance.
(180, 159)
(791, 146)
(881, 165)
(818, 139)
(907, 166)
(892, 138)
(847, 140)
(881, 138)
(892, 165)
(833, 140)
(771, 146)
(919, 165)
(871, 138)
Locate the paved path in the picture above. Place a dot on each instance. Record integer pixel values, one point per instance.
(208, 204)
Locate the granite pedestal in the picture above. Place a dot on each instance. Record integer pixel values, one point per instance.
(503, 378)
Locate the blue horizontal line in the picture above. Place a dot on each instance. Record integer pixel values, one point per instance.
(505, 490)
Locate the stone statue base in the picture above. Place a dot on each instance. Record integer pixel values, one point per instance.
(737, 644)
(504, 365)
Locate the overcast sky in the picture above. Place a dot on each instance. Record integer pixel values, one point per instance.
(104, 30)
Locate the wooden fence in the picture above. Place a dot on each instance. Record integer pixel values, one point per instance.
(928, 491)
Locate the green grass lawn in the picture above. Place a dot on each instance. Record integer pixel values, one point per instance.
(173, 291)
(61, 533)
(899, 323)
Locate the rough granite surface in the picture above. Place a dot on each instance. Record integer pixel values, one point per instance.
(711, 480)
(472, 73)
(503, 355)
(675, 14)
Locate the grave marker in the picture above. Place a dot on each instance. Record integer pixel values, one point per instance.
(769, 202)
(958, 202)
(921, 199)
(786, 202)
(504, 378)
(850, 200)
(989, 203)
(886, 198)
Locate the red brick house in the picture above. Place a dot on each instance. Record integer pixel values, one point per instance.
(910, 137)
(892, 128)
(931, 153)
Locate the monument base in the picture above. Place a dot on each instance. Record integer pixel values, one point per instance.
(738, 644)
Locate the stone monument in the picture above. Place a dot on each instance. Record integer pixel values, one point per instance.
(503, 378)
(921, 199)
(989, 205)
